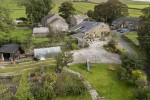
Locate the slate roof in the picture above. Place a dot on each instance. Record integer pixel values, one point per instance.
(122, 19)
(85, 26)
(47, 17)
(77, 35)
(9, 48)
(80, 16)
(40, 30)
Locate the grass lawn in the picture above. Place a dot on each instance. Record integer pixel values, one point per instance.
(105, 81)
(40, 40)
(21, 33)
(133, 36)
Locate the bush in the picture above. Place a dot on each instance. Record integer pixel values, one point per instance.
(122, 73)
(22, 18)
(43, 93)
(68, 84)
(139, 78)
(131, 62)
(9, 96)
(74, 46)
(142, 94)
(111, 46)
(90, 13)
(71, 33)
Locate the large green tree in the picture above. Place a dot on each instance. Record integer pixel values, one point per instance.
(66, 9)
(110, 11)
(36, 9)
(144, 33)
(5, 20)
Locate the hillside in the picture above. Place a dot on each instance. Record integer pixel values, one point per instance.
(81, 7)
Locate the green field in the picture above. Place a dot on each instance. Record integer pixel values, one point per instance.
(105, 81)
(81, 7)
(133, 36)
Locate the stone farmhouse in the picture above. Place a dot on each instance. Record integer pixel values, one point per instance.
(55, 23)
(77, 19)
(130, 23)
(88, 31)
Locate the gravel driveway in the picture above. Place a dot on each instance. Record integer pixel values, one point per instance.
(96, 54)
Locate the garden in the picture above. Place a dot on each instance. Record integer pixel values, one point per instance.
(43, 84)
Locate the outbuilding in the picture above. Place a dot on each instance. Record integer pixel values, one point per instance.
(10, 52)
(40, 32)
(46, 52)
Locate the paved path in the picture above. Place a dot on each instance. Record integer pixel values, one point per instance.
(96, 54)
(123, 44)
(94, 94)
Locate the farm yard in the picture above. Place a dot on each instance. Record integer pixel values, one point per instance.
(81, 7)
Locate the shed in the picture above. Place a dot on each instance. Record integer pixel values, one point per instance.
(46, 52)
(9, 52)
(40, 32)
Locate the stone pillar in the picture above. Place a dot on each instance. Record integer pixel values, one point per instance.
(2, 57)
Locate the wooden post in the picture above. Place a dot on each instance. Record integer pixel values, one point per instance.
(88, 65)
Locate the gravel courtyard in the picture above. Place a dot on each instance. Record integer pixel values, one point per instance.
(96, 54)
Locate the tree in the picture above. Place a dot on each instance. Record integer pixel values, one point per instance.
(5, 21)
(130, 62)
(90, 13)
(144, 33)
(62, 60)
(110, 11)
(66, 9)
(36, 9)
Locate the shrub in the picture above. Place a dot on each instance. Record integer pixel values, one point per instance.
(71, 33)
(121, 73)
(68, 84)
(74, 46)
(43, 93)
(9, 96)
(111, 46)
(131, 62)
(142, 94)
(22, 18)
(139, 78)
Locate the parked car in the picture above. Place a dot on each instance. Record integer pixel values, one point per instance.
(124, 30)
